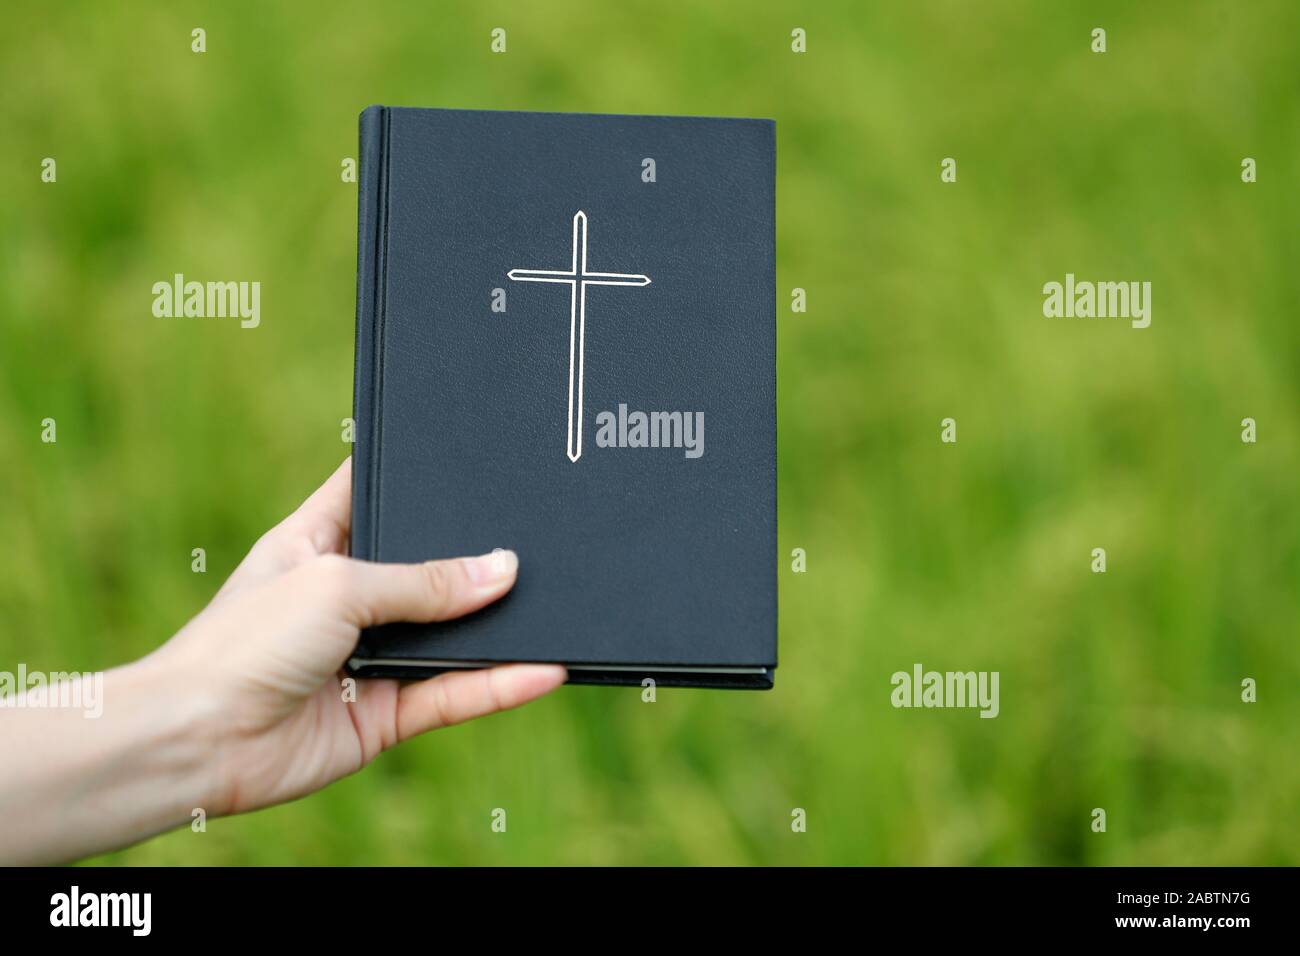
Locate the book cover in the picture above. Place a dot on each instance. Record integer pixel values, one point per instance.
(566, 345)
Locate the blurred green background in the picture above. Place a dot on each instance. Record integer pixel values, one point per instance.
(1118, 690)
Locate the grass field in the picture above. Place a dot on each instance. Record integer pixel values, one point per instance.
(1119, 690)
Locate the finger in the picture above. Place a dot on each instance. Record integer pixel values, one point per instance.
(326, 515)
(463, 695)
(320, 525)
(372, 593)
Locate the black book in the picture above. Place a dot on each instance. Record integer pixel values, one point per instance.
(566, 345)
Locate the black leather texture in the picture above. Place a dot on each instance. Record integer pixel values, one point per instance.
(636, 557)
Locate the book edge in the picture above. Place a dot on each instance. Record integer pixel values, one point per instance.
(368, 366)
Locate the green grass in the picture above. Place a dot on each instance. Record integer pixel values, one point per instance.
(1119, 690)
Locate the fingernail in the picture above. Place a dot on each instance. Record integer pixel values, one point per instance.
(491, 568)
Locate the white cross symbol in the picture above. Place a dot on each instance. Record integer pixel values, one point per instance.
(578, 277)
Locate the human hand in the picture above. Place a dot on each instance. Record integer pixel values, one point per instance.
(245, 707)
(266, 655)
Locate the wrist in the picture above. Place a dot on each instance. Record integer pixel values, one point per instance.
(182, 740)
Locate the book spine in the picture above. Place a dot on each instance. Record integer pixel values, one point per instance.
(368, 372)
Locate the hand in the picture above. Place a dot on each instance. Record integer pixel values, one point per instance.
(245, 706)
(267, 653)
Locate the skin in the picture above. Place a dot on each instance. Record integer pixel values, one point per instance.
(244, 707)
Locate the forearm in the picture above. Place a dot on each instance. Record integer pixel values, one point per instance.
(73, 784)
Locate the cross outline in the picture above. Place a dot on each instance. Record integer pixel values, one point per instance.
(577, 280)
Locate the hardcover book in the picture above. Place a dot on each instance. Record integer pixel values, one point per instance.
(566, 346)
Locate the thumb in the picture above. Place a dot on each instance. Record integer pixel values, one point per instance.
(367, 593)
